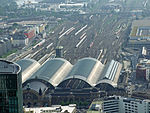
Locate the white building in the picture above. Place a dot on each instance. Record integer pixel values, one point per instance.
(54, 109)
(20, 42)
(19, 39)
(117, 104)
(140, 33)
(143, 69)
(144, 51)
(75, 5)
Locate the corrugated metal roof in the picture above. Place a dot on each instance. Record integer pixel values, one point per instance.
(53, 71)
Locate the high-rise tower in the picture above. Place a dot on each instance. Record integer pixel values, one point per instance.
(10, 87)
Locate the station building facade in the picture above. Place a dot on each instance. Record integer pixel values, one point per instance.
(59, 78)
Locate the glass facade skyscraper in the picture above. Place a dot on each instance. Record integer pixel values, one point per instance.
(10, 88)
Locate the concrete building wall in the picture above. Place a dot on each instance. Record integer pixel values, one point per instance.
(116, 104)
(20, 42)
(5, 46)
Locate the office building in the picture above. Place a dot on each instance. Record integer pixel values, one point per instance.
(117, 104)
(140, 34)
(143, 70)
(10, 87)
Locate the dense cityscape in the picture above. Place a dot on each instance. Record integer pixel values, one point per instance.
(74, 56)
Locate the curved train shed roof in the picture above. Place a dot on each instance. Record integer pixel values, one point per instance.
(111, 73)
(87, 72)
(86, 69)
(28, 66)
(53, 71)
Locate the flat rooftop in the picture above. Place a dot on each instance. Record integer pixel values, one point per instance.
(140, 28)
(29, 22)
(141, 23)
(52, 109)
(138, 31)
(8, 67)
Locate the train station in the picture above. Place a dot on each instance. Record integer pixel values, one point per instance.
(58, 76)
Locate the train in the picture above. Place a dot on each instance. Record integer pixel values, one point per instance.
(66, 32)
(80, 30)
(62, 31)
(100, 54)
(82, 35)
(70, 31)
(39, 44)
(49, 45)
(80, 41)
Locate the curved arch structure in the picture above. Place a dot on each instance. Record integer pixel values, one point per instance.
(107, 82)
(105, 86)
(28, 66)
(74, 83)
(110, 74)
(87, 70)
(31, 98)
(37, 84)
(53, 71)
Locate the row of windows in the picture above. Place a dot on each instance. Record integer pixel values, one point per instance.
(112, 109)
(13, 110)
(8, 110)
(110, 102)
(131, 105)
(8, 77)
(130, 110)
(8, 94)
(8, 84)
(12, 101)
(5, 101)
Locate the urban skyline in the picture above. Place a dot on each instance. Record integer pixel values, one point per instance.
(76, 54)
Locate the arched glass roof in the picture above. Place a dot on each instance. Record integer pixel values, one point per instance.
(105, 86)
(111, 73)
(28, 66)
(36, 84)
(87, 69)
(74, 83)
(53, 71)
(25, 63)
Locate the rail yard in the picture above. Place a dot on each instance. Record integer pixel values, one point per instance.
(77, 51)
(97, 35)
